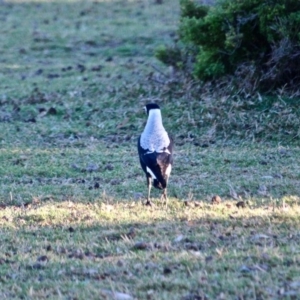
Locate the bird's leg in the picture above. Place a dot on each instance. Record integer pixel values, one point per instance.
(164, 193)
(148, 202)
(164, 196)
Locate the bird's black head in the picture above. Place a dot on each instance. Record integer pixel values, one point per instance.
(150, 106)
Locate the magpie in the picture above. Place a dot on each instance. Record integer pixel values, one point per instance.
(155, 148)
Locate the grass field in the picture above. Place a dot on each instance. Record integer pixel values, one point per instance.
(74, 77)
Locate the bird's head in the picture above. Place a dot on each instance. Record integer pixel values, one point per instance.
(150, 106)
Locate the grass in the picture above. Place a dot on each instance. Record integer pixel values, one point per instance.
(74, 78)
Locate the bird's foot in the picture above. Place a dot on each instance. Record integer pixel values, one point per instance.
(149, 203)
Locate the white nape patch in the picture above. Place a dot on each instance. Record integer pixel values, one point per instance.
(154, 136)
(151, 173)
(168, 170)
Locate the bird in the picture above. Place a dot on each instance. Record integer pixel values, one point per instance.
(155, 149)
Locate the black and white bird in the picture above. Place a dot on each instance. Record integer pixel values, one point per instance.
(155, 149)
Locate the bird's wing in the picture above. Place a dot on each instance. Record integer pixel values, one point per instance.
(165, 158)
(170, 149)
(156, 163)
(142, 151)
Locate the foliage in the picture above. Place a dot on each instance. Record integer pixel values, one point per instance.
(257, 41)
(169, 56)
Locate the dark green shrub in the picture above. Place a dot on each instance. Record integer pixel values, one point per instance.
(169, 56)
(254, 40)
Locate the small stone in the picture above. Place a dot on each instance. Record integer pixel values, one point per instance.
(241, 204)
(71, 229)
(109, 167)
(52, 111)
(187, 203)
(43, 258)
(245, 269)
(208, 259)
(179, 238)
(120, 263)
(167, 270)
(141, 246)
(132, 232)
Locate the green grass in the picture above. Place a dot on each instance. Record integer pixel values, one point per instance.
(74, 77)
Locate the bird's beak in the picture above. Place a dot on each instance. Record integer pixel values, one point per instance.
(145, 109)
